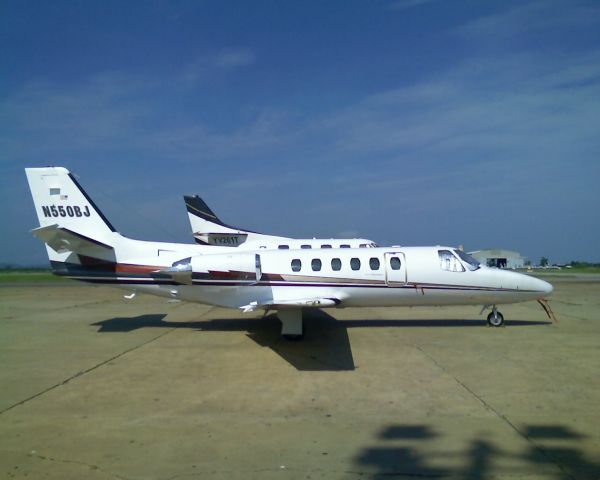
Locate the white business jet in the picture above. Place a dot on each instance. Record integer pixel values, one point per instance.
(82, 244)
(208, 229)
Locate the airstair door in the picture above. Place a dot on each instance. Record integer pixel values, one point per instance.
(395, 269)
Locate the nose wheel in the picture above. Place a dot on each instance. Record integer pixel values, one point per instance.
(495, 318)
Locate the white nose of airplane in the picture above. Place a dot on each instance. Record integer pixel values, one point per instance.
(531, 287)
(544, 286)
(539, 286)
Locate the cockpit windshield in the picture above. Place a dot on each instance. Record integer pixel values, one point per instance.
(449, 262)
(472, 264)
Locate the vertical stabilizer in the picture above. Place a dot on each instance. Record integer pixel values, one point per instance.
(208, 229)
(60, 201)
(203, 219)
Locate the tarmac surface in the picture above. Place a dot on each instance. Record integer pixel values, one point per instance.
(93, 386)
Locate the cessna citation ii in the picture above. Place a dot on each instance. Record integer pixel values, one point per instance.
(208, 229)
(83, 245)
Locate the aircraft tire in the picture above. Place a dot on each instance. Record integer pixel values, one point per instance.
(292, 338)
(495, 319)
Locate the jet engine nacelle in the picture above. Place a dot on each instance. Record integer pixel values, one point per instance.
(234, 266)
(243, 267)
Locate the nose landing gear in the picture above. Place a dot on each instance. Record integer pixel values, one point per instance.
(495, 318)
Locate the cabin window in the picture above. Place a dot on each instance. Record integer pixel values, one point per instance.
(296, 265)
(374, 263)
(326, 246)
(305, 246)
(395, 263)
(449, 262)
(355, 263)
(344, 245)
(283, 247)
(336, 264)
(316, 264)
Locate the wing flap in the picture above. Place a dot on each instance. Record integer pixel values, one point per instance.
(317, 302)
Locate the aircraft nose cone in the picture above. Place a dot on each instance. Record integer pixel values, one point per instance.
(537, 287)
(545, 287)
(540, 286)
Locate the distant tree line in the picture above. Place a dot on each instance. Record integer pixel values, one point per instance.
(10, 266)
(580, 264)
(544, 262)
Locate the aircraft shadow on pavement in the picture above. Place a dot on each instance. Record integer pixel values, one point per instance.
(406, 450)
(325, 345)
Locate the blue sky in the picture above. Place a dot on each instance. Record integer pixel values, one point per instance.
(412, 122)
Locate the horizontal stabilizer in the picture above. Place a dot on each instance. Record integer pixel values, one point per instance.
(221, 239)
(63, 240)
(288, 304)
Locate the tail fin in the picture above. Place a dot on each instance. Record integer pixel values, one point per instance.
(203, 219)
(69, 219)
(208, 229)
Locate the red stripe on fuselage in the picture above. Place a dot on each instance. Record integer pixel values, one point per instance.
(132, 268)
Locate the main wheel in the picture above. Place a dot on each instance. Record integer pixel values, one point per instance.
(292, 337)
(495, 319)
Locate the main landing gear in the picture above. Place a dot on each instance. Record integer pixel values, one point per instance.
(291, 324)
(495, 318)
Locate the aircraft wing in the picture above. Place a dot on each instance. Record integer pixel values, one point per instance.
(64, 240)
(291, 304)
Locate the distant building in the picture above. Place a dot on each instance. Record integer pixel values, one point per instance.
(499, 258)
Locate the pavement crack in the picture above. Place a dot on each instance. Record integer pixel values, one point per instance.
(86, 371)
(48, 458)
(499, 415)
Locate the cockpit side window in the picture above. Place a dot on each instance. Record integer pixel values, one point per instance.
(472, 264)
(449, 262)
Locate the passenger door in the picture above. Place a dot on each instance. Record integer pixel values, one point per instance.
(395, 269)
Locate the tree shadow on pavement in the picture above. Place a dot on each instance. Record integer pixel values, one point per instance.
(552, 451)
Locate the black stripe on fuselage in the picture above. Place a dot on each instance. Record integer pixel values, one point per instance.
(117, 280)
(125, 281)
(104, 271)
